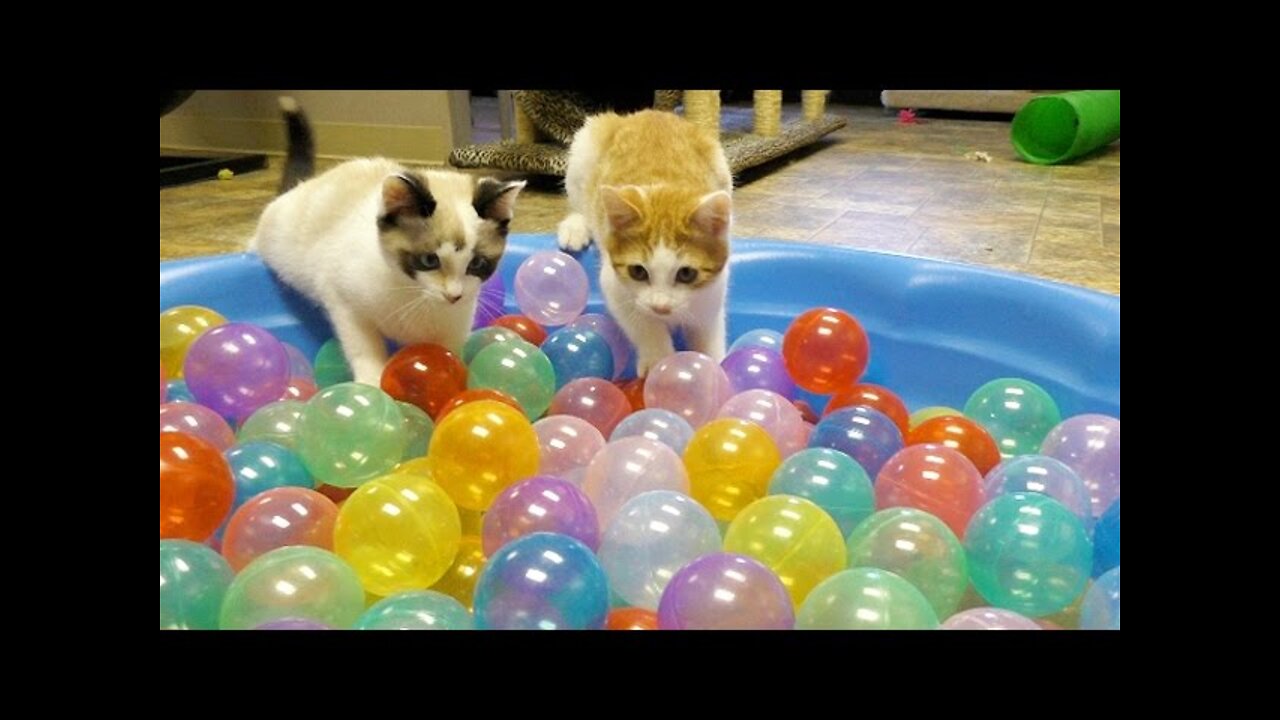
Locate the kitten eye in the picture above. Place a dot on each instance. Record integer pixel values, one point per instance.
(479, 265)
(638, 273)
(686, 275)
(428, 261)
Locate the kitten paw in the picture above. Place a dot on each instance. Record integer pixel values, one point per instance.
(573, 234)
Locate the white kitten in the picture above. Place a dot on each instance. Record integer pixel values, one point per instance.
(654, 190)
(388, 251)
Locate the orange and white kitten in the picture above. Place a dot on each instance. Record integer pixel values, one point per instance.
(654, 191)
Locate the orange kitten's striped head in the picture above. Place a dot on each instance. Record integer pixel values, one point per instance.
(665, 242)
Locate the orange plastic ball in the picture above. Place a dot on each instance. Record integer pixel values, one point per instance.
(631, 619)
(826, 350)
(876, 397)
(524, 327)
(424, 375)
(473, 395)
(962, 435)
(196, 487)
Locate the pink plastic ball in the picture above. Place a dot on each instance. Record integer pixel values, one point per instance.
(689, 384)
(540, 504)
(567, 444)
(551, 288)
(595, 400)
(773, 412)
(988, 618)
(278, 518)
(197, 420)
(625, 468)
(1090, 445)
(933, 478)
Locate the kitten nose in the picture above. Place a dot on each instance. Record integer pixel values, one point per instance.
(661, 309)
(453, 298)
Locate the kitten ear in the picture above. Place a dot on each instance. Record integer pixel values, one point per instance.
(404, 195)
(623, 211)
(496, 200)
(713, 213)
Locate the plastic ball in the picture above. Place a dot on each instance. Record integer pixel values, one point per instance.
(730, 463)
(235, 369)
(193, 581)
(1090, 445)
(920, 548)
(418, 428)
(631, 619)
(1028, 553)
(595, 400)
(258, 466)
(196, 488)
(299, 365)
(962, 435)
(278, 518)
(164, 385)
(519, 370)
(551, 287)
(197, 420)
(756, 368)
(826, 350)
(866, 599)
(873, 396)
(399, 532)
(299, 389)
(831, 480)
(605, 327)
(989, 618)
(278, 422)
(627, 468)
(566, 446)
(928, 413)
(1101, 608)
(459, 581)
(467, 396)
(761, 338)
(479, 450)
(176, 391)
(179, 327)
(491, 301)
(351, 433)
(772, 412)
(656, 424)
(578, 353)
(634, 390)
(1018, 413)
(932, 478)
(654, 535)
(542, 581)
(863, 433)
(483, 338)
(1044, 475)
(724, 591)
(424, 375)
(293, 582)
(690, 384)
(540, 504)
(293, 624)
(331, 366)
(416, 610)
(1106, 540)
(530, 331)
(793, 537)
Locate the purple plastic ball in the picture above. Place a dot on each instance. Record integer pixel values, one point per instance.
(864, 434)
(235, 369)
(757, 368)
(724, 591)
(1090, 445)
(490, 306)
(540, 504)
(293, 624)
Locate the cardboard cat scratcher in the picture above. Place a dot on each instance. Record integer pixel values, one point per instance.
(546, 121)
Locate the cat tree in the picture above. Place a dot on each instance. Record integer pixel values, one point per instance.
(545, 122)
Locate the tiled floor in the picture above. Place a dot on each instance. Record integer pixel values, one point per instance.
(875, 184)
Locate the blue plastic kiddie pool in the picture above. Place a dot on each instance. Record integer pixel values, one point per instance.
(938, 330)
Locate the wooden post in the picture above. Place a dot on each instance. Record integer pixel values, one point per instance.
(768, 118)
(702, 107)
(526, 131)
(814, 103)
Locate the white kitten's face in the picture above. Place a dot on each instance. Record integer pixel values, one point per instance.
(447, 238)
(663, 282)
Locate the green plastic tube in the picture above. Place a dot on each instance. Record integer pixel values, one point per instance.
(1057, 128)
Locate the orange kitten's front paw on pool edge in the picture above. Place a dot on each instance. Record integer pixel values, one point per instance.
(573, 233)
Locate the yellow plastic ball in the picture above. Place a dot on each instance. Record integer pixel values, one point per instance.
(179, 327)
(481, 448)
(459, 582)
(795, 538)
(417, 466)
(730, 463)
(930, 413)
(399, 532)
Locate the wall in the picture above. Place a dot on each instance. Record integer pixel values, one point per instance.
(411, 125)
